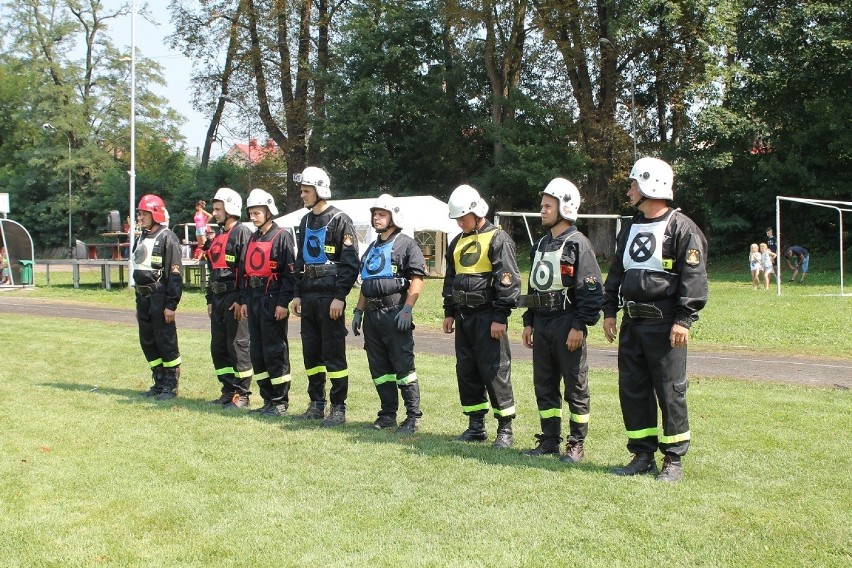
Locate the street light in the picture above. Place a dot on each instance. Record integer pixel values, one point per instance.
(604, 42)
(47, 127)
(228, 99)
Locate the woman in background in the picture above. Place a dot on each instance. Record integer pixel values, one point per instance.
(201, 218)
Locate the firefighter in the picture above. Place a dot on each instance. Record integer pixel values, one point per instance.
(157, 277)
(565, 296)
(266, 289)
(392, 271)
(327, 267)
(659, 279)
(229, 334)
(481, 286)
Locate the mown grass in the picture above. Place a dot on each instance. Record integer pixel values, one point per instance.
(806, 320)
(95, 475)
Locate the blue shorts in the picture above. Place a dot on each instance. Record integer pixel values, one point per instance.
(200, 232)
(804, 265)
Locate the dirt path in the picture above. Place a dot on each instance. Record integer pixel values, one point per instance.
(801, 371)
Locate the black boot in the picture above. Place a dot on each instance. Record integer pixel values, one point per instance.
(642, 462)
(544, 445)
(410, 425)
(223, 399)
(504, 437)
(267, 404)
(672, 469)
(336, 416)
(157, 377)
(238, 401)
(315, 411)
(475, 430)
(171, 377)
(384, 422)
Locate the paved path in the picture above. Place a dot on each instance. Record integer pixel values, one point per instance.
(814, 372)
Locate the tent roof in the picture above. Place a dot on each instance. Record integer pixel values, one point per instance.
(420, 212)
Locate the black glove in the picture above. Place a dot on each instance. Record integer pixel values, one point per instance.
(357, 318)
(403, 318)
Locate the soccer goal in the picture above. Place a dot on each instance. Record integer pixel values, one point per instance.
(840, 206)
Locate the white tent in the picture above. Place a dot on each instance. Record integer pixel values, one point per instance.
(426, 219)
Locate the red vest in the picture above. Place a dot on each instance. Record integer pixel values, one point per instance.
(259, 259)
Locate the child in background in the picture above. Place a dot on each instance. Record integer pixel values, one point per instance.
(4, 266)
(755, 264)
(767, 259)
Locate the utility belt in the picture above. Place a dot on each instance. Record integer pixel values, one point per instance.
(472, 299)
(384, 301)
(259, 281)
(320, 270)
(659, 309)
(145, 290)
(546, 300)
(222, 287)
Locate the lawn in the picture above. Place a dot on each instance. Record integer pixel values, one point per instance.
(806, 320)
(95, 475)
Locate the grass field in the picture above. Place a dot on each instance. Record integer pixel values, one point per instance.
(94, 475)
(804, 321)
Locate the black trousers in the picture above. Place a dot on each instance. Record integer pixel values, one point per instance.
(158, 339)
(229, 345)
(390, 353)
(270, 352)
(651, 372)
(483, 366)
(324, 350)
(553, 363)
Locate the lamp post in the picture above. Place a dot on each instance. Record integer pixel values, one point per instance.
(604, 42)
(50, 128)
(228, 99)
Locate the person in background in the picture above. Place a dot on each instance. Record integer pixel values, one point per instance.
(201, 218)
(767, 259)
(481, 287)
(229, 333)
(159, 286)
(266, 289)
(659, 278)
(4, 266)
(392, 271)
(563, 299)
(326, 269)
(798, 258)
(755, 264)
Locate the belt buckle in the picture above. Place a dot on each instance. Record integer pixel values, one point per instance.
(255, 282)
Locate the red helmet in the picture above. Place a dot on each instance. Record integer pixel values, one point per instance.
(155, 206)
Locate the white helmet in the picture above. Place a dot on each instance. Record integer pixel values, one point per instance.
(388, 203)
(231, 201)
(464, 200)
(317, 178)
(568, 196)
(258, 198)
(166, 217)
(655, 178)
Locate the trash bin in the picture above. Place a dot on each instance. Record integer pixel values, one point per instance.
(26, 272)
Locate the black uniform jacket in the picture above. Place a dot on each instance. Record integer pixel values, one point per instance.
(341, 244)
(580, 274)
(501, 285)
(684, 282)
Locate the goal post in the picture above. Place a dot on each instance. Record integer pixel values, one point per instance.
(526, 216)
(840, 206)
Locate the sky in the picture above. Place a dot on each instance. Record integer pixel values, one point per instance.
(151, 42)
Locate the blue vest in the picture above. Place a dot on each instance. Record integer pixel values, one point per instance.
(377, 262)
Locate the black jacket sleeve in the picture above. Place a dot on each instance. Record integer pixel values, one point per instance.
(348, 263)
(286, 266)
(612, 285)
(300, 262)
(588, 293)
(172, 269)
(449, 277)
(506, 278)
(529, 315)
(691, 265)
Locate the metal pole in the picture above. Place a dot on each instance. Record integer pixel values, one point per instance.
(70, 240)
(131, 230)
(633, 111)
(249, 153)
(778, 246)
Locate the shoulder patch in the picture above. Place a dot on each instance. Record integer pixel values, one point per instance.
(591, 282)
(506, 279)
(693, 257)
(348, 240)
(175, 269)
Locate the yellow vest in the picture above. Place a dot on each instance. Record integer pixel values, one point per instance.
(471, 253)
